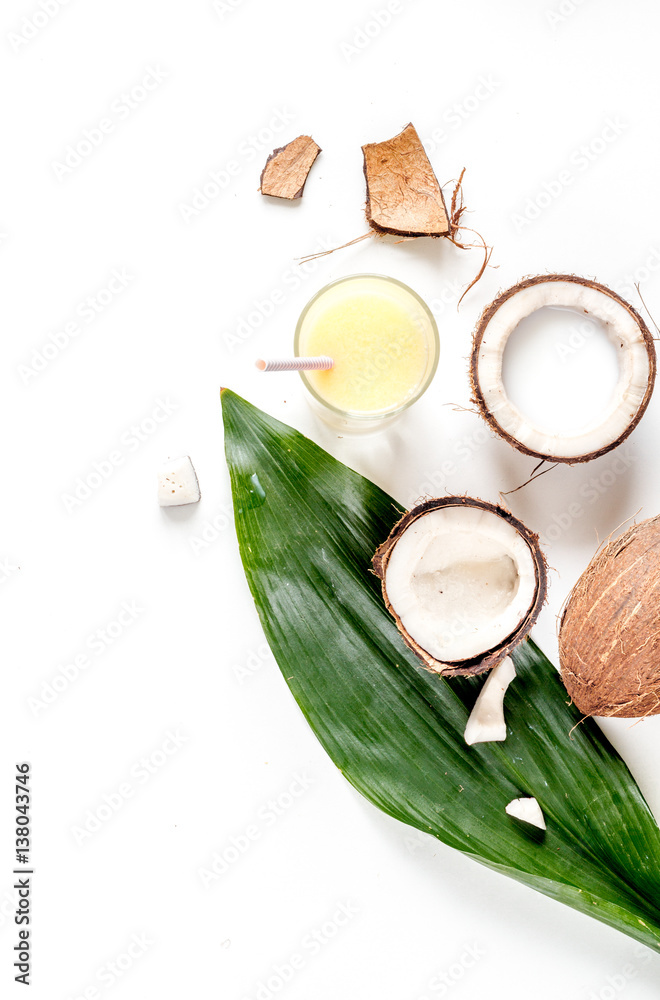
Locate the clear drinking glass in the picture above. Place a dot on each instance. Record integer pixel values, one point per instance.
(384, 340)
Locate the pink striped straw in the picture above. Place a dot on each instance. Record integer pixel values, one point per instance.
(322, 363)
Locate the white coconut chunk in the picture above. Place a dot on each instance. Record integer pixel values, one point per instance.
(177, 483)
(528, 810)
(486, 723)
(461, 580)
(633, 359)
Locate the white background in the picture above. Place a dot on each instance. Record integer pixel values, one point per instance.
(237, 80)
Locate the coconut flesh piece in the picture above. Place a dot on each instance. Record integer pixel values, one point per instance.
(464, 580)
(177, 483)
(487, 723)
(528, 810)
(625, 329)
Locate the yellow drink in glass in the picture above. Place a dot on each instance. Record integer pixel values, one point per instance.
(384, 344)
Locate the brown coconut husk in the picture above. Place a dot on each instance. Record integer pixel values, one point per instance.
(609, 633)
(286, 168)
(489, 657)
(477, 395)
(403, 193)
(405, 199)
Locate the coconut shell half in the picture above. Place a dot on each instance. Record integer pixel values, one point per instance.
(286, 168)
(627, 332)
(609, 634)
(447, 553)
(403, 193)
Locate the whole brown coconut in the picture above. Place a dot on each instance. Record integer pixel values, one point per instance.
(609, 634)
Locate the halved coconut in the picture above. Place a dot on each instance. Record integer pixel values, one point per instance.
(623, 325)
(464, 580)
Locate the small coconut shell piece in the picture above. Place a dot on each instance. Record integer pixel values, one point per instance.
(464, 580)
(624, 327)
(609, 633)
(403, 194)
(286, 168)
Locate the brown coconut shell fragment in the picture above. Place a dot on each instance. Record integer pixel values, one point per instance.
(497, 399)
(286, 168)
(490, 657)
(403, 194)
(609, 634)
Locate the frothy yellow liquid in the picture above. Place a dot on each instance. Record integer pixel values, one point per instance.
(379, 350)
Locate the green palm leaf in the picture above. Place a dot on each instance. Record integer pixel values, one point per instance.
(307, 529)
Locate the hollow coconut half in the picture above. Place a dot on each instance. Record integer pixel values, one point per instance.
(623, 325)
(464, 580)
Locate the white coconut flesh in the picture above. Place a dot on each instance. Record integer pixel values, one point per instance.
(622, 330)
(527, 810)
(177, 483)
(461, 580)
(487, 723)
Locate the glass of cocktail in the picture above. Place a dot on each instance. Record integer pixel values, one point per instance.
(384, 344)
